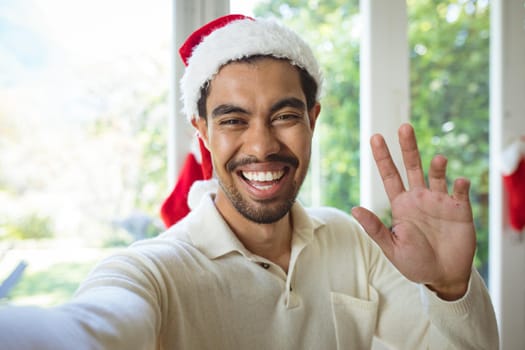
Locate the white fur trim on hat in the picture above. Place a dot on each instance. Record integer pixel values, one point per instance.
(511, 157)
(238, 39)
(199, 189)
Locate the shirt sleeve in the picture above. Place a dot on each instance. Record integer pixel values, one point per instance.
(411, 316)
(115, 308)
(468, 323)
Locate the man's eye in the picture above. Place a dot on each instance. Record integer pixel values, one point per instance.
(287, 116)
(232, 122)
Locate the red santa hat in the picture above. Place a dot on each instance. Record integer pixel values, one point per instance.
(234, 37)
(513, 172)
(226, 39)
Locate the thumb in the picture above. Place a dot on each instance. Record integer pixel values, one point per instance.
(375, 229)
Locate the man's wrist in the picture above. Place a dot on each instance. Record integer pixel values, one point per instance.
(451, 292)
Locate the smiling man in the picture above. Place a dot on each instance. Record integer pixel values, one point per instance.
(259, 131)
(251, 268)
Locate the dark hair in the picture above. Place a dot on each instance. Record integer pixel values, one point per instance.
(308, 84)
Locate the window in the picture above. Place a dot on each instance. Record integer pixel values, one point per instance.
(83, 113)
(449, 59)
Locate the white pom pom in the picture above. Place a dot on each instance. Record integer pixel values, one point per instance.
(199, 189)
(511, 156)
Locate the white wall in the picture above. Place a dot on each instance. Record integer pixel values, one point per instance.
(507, 252)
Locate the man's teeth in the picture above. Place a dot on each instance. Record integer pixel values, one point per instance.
(263, 175)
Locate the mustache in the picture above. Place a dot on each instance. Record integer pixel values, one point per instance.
(234, 163)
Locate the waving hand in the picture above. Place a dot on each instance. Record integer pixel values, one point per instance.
(432, 239)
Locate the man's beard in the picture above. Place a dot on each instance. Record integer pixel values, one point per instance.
(263, 214)
(267, 212)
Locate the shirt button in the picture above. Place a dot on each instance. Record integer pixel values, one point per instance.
(265, 266)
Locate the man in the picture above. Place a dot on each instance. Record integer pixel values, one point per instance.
(249, 267)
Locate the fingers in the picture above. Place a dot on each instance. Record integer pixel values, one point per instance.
(387, 169)
(411, 157)
(392, 181)
(375, 229)
(437, 180)
(461, 189)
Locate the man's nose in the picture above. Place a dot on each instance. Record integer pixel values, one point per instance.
(260, 141)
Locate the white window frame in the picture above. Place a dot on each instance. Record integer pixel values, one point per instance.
(187, 15)
(507, 123)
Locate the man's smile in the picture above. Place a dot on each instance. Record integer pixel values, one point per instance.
(262, 176)
(263, 180)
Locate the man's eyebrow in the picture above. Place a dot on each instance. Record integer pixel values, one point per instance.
(293, 102)
(224, 109)
(227, 109)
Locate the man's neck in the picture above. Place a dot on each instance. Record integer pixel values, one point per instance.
(270, 241)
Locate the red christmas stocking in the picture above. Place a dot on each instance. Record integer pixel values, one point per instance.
(513, 169)
(175, 207)
(514, 184)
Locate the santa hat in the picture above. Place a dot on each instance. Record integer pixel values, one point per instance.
(206, 50)
(176, 206)
(513, 172)
(234, 37)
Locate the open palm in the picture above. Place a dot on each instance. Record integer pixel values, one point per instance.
(432, 239)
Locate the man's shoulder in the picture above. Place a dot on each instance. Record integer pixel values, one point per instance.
(174, 241)
(330, 215)
(177, 232)
(332, 221)
(341, 233)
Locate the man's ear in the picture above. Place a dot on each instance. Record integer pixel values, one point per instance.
(313, 114)
(201, 125)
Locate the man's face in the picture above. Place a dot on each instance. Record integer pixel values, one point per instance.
(259, 133)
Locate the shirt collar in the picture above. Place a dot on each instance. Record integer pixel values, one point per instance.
(211, 234)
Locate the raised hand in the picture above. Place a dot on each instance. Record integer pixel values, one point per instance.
(432, 239)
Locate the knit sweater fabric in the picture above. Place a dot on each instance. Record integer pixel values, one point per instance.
(197, 287)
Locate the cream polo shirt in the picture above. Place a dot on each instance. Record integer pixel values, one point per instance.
(198, 287)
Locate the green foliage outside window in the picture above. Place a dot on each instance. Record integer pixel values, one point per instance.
(30, 226)
(449, 48)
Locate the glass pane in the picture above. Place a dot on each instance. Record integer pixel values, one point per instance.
(83, 110)
(449, 51)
